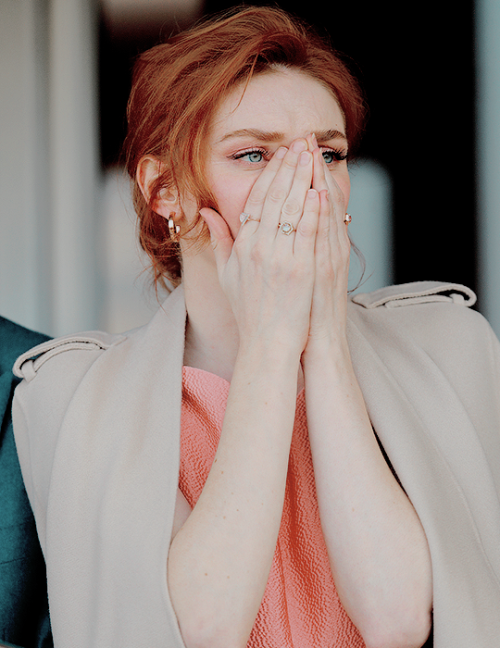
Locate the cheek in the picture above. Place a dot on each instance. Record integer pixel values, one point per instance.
(344, 182)
(231, 199)
(346, 190)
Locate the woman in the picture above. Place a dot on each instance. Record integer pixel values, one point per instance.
(285, 524)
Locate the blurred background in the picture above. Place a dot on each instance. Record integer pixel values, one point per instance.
(425, 191)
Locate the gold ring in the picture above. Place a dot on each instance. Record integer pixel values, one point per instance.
(286, 228)
(244, 217)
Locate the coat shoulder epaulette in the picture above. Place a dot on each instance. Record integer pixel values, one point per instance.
(418, 292)
(27, 365)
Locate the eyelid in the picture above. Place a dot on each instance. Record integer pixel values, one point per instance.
(339, 152)
(251, 149)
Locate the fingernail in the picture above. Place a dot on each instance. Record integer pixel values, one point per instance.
(312, 193)
(299, 145)
(315, 141)
(281, 152)
(304, 158)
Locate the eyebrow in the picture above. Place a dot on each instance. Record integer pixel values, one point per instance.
(273, 136)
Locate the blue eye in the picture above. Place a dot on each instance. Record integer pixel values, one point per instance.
(333, 155)
(256, 156)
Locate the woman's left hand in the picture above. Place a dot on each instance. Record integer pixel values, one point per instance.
(329, 302)
(377, 547)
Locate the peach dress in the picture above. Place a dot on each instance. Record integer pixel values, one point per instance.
(300, 607)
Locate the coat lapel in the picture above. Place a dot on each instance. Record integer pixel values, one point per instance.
(116, 470)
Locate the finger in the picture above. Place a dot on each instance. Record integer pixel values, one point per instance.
(312, 142)
(326, 178)
(281, 186)
(324, 222)
(220, 236)
(333, 244)
(320, 181)
(258, 193)
(293, 207)
(307, 227)
(323, 179)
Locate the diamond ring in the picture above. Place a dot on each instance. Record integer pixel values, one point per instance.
(286, 228)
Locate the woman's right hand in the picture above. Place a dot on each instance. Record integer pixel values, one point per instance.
(266, 275)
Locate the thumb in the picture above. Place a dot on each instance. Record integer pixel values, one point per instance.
(220, 235)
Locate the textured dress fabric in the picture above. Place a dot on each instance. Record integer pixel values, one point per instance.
(300, 607)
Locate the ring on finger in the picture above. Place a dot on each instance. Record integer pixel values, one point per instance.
(244, 217)
(347, 219)
(286, 228)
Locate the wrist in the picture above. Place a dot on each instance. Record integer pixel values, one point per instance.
(258, 356)
(327, 354)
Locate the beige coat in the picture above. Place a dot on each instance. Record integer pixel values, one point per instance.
(97, 423)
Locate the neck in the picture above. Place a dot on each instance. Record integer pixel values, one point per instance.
(211, 333)
(212, 338)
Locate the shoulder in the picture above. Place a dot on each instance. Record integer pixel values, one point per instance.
(435, 317)
(75, 353)
(52, 373)
(417, 293)
(419, 305)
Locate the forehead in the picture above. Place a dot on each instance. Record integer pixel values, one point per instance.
(287, 101)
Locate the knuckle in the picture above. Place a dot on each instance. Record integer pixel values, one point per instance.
(277, 194)
(290, 163)
(291, 207)
(306, 229)
(257, 197)
(257, 254)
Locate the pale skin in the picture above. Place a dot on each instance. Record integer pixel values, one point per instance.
(267, 312)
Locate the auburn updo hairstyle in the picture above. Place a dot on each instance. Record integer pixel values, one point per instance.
(177, 86)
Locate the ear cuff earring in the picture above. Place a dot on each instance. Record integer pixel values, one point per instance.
(173, 229)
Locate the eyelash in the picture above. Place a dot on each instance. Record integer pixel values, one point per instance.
(239, 156)
(338, 154)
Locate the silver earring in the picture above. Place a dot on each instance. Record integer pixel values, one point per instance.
(173, 229)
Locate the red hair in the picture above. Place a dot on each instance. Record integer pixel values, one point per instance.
(177, 87)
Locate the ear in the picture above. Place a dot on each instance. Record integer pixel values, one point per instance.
(148, 170)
